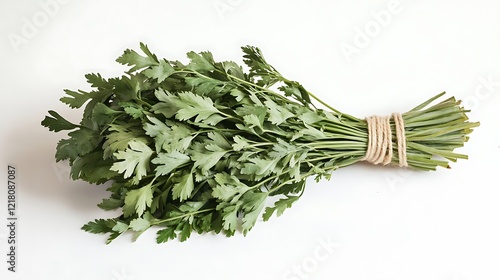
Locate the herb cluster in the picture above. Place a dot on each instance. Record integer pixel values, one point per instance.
(202, 146)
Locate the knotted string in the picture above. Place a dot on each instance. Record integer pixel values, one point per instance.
(379, 150)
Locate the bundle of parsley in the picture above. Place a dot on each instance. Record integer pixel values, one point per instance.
(202, 146)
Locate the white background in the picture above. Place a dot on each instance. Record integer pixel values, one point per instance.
(383, 223)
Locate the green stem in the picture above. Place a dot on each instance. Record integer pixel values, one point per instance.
(144, 103)
(182, 216)
(331, 108)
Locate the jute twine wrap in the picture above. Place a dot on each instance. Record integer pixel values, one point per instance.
(379, 150)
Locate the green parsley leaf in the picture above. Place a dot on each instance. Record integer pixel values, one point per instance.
(279, 206)
(160, 72)
(253, 203)
(137, 201)
(208, 156)
(97, 81)
(195, 105)
(140, 224)
(103, 115)
(110, 204)
(132, 58)
(228, 188)
(92, 168)
(201, 62)
(230, 216)
(75, 99)
(185, 231)
(100, 226)
(65, 150)
(277, 114)
(118, 138)
(57, 123)
(120, 227)
(168, 162)
(169, 136)
(135, 160)
(165, 235)
(183, 187)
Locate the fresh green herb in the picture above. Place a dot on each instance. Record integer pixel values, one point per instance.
(201, 147)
